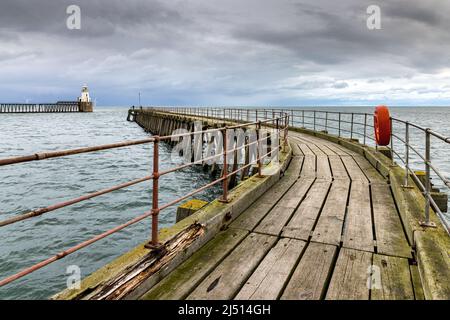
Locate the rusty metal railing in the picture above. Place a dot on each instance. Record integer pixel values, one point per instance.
(356, 125)
(279, 123)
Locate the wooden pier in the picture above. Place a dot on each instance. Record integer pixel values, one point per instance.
(333, 220)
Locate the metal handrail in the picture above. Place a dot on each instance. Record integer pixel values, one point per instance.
(279, 121)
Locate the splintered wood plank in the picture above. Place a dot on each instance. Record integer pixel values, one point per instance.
(390, 236)
(337, 168)
(355, 172)
(269, 278)
(302, 223)
(371, 173)
(309, 167)
(395, 277)
(229, 276)
(358, 222)
(310, 277)
(417, 283)
(275, 220)
(331, 220)
(350, 276)
(181, 281)
(323, 168)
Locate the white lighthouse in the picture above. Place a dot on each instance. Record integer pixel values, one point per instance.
(85, 94)
(84, 102)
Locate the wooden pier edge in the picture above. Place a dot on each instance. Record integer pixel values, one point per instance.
(213, 217)
(432, 244)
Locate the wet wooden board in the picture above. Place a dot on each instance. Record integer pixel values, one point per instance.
(331, 220)
(269, 278)
(391, 239)
(311, 275)
(395, 279)
(358, 221)
(353, 169)
(274, 222)
(304, 218)
(228, 277)
(180, 282)
(350, 275)
(337, 168)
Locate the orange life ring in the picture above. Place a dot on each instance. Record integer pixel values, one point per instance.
(382, 125)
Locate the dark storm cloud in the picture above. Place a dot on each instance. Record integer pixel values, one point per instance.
(234, 51)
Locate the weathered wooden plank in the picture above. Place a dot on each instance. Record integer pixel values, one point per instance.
(331, 220)
(315, 149)
(395, 279)
(180, 282)
(229, 276)
(358, 222)
(324, 148)
(323, 168)
(274, 222)
(337, 168)
(304, 218)
(355, 172)
(390, 236)
(338, 149)
(371, 173)
(269, 278)
(309, 167)
(251, 217)
(350, 276)
(309, 278)
(417, 283)
(296, 151)
(305, 149)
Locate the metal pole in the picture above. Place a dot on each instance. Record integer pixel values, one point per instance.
(155, 208)
(365, 128)
(225, 167)
(392, 144)
(314, 120)
(292, 118)
(427, 177)
(339, 125)
(326, 121)
(303, 118)
(258, 151)
(406, 154)
(351, 128)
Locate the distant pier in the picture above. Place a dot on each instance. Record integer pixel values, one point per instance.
(83, 104)
(59, 107)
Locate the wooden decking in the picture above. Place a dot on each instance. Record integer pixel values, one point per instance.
(329, 229)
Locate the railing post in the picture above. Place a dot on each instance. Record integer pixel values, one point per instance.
(258, 149)
(351, 127)
(292, 118)
(303, 118)
(326, 121)
(365, 128)
(314, 120)
(427, 222)
(154, 244)
(392, 143)
(225, 166)
(406, 154)
(339, 125)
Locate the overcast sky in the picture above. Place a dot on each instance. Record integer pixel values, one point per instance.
(228, 52)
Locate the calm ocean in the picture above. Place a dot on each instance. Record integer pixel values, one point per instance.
(38, 184)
